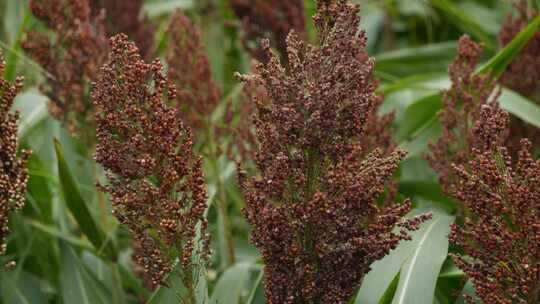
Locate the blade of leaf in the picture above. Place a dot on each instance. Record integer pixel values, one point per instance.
(382, 272)
(419, 274)
(158, 8)
(21, 288)
(79, 207)
(390, 291)
(466, 22)
(417, 117)
(77, 286)
(429, 190)
(417, 114)
(498, 63)
(256, 290)
(231, 284)
(520, 106)
(408, 61)
(54, 232)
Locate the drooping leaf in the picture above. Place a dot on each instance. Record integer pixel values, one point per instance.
(520, 106)
(231, 284)
(465, 21)
(76, 284)
(498, 63)
(419, 274)
(21, 287)
(408, 61)
(79, 208)
(156, 9)
(382, 272)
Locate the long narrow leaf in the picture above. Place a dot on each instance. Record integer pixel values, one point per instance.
(419, 274)
(79, 208)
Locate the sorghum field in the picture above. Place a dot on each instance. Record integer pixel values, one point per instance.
(270, 151)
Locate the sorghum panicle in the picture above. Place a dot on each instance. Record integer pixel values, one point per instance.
(156, 183)
(124, 16)
(314, 208)
(462, 105)
(70, 60)
(190, 70)
(500, 237)
(523, 74)
(270, 20)
(13, 172)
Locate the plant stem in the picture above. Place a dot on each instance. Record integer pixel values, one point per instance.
(222, 196)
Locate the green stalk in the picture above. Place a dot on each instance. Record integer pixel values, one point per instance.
(222, 196)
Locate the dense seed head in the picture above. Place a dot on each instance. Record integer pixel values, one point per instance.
(271, 20)
(13, 172)
(314, 208)
(70, 60)
(523, 74)
(500, 236)
(462, 108)
(156, 182)
(190, 70)
(126, 17)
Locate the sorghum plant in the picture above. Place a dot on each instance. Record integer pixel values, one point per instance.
(462, 104)
(125, 17)
(523, 74)
(500, 237)
(71, 60)
(271, 20)
(314, 208)
(156, 182)
(190, 70)
(13, 172)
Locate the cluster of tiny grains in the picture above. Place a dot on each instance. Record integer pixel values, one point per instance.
(314, 206)
(156, 183)
(500, 237)
(126, 17)
(70, 60)
(190, 70)
(462, 104)
(523, 74)
(270, 20)
(13, 172)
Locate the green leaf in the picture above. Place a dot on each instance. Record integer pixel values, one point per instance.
(433, 57)
(175, 290)
(417, 114)
(419, 274)
(498, 63)
(56, 233)
(429, 190)
(421, 138)
(79, 208)
(390, 291)
(257, 294)
(231, 284)
(33, 108)
(76, 284)
(156, 9)
(468, 289)
(20, 287)
(384, 271)
(520, 106)
(465, 21)
(421, 113)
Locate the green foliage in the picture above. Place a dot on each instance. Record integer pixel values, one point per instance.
(70, 249)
